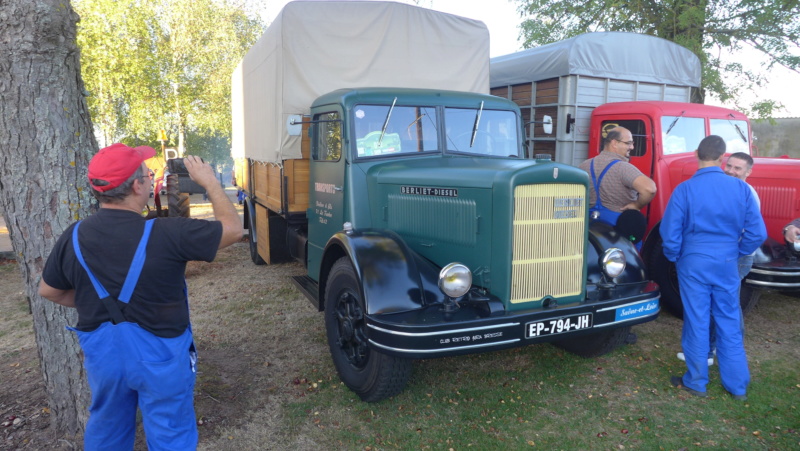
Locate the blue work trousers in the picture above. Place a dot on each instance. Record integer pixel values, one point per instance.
(127, 367)
(710, 292)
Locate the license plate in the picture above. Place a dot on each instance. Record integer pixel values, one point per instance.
(558, 325)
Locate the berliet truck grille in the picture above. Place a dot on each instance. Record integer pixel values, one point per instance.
(548, 241)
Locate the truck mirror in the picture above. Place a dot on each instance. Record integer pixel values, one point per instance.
(547, 124)
(294, 125)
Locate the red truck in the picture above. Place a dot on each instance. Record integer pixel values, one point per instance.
(571, 91)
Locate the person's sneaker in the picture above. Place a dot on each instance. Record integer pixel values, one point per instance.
(740, 397)
(677, 382)
(682, 357)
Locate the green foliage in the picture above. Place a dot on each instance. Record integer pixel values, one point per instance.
(706, 27)
(162, 64)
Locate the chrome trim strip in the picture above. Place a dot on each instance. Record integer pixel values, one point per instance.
(772, 284)
(431, 351)
(657, 298)
(776, 273)
(444, 332)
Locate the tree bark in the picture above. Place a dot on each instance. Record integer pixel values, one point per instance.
(46, 141)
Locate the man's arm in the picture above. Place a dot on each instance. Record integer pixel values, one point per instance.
(671, 228)
(224, 211)
(646, 188)
(755, 232)
(62, 297)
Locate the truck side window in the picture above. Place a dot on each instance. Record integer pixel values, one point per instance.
(638, 130)
(328, 145)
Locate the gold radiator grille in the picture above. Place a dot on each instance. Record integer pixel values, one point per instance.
(549, 229)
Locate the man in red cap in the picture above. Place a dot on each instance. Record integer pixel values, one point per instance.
(136, 338)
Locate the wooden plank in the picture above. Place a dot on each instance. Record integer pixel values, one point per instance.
(522, 94)
(262, 232)
(501, 91)
(547, 91)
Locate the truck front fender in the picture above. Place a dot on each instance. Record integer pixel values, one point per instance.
(392, 278)
(602, 236)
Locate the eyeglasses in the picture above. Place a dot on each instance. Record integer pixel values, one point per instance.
(627, 143)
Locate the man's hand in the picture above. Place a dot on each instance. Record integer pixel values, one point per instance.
(792, 234)
(200, 172)
(224, 211)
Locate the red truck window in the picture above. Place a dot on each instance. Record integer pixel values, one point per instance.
(682, 134)
(637, 129)
(734, 132)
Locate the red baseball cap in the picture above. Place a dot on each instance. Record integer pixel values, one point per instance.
(115, 164)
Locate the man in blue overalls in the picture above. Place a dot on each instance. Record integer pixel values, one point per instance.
(711, 220)
(136, 337)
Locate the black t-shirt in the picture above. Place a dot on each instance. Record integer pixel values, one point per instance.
(108, 241)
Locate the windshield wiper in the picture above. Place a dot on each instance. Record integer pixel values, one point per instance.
(674, 122)
(386, 122)
(475, 127)
(736, 126)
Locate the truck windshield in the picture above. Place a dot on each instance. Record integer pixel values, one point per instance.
(386, 130)
(494, 131)
(734, 132)
(685, 133)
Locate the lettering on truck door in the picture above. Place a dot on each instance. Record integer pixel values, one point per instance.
(326, 196)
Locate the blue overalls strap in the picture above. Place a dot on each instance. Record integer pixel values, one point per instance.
(597, 181)
(130, 280)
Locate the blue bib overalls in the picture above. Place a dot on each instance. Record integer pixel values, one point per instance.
(129, 367)
(605, 214)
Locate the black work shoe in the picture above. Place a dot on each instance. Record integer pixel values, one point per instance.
(677, 381)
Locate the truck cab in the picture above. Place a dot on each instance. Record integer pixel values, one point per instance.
(429, 235)
(666, 135)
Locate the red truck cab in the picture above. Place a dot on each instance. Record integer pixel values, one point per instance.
(665, 136)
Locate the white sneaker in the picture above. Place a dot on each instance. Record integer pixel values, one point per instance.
(683, 358)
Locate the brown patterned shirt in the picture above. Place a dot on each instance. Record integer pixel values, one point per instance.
(616, 191)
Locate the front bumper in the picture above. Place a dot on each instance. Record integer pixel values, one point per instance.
(783, 275)
(430, 332)
(775, 268)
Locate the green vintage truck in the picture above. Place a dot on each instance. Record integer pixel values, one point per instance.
(424, 231)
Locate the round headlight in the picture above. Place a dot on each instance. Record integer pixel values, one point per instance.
(455, 280)
(613, 262)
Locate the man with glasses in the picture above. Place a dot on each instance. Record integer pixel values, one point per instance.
(621, 185)
(136, 336)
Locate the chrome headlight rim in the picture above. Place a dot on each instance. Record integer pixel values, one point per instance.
(455, 280)
(613, 262)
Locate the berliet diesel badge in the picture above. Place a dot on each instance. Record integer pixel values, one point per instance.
(555, 173)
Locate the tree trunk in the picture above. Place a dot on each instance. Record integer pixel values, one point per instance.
(46, 141)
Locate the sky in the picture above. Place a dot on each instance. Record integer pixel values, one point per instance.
(502, 20)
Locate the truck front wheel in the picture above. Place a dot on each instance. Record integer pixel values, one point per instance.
(372, 375)
(595, 345)
(664, 273)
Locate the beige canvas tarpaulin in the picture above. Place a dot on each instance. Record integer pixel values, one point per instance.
(315, 47)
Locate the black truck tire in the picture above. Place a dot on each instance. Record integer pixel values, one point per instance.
(664, 273)
(178, 202)
(597, 344)
(252, 238)
(748, 298)
(372, 375)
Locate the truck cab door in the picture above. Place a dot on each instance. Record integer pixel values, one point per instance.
(326, 195)
(641, 128)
